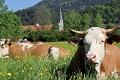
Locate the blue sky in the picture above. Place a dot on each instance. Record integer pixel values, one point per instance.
(16, 5)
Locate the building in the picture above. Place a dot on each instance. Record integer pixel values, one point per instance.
(61, 25)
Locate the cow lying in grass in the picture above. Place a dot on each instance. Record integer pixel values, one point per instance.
(95, 53)
(41, 49)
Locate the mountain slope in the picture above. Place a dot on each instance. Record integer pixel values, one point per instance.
(69, 4)
(28, 15)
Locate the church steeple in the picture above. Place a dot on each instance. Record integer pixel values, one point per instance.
(61, 26)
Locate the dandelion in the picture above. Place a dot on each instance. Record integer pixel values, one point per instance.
(41, 74)
(0, 73)
(23, 70)
(74, 76)
(31, 69)
(68, 54)
(81, 74)
(45, 69)
(65, 63)
(54, 70)
(9, 74)
(18, 57)
(51, 77)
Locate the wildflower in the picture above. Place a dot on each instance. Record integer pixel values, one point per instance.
(9, 74)
(41, 74)
(0, 73)
(50, 77)
(68, 54)
(65, 63)
(81, 74)
(74, 76)
(45, 69)
(31, 68)
(18, 57)
(54, 70)
(23, 71)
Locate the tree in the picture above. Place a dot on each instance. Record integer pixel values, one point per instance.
(3, 8)
(110, 26)
(98, 21)
(43, 15)
(72, 20)
(11, 26)
(85, 22)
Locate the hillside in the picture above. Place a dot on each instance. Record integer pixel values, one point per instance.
(29, 16)
(76, 5)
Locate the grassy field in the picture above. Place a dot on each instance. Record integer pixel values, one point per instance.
(32, 68)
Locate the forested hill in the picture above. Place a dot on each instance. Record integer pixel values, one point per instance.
(47, 12)
(50, 8)
(69, 4)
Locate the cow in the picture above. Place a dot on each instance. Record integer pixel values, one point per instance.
(3, 48)
(95, 56)
(40, 49)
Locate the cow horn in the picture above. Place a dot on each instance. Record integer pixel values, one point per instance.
(78, 32)
(108, 31)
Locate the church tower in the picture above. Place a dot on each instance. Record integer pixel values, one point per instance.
(61, 26)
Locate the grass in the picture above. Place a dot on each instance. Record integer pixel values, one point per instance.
(32, 68)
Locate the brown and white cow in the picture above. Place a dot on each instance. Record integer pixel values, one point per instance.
(34, 48)
(94, 54)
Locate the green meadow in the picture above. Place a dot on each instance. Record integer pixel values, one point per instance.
(34, 68)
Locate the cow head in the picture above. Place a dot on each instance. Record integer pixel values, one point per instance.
(94, 44)
(2, 41)
(4, 48)
(54, 52)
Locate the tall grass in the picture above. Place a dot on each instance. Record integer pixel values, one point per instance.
(34, 68)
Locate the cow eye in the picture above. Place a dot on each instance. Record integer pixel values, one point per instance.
(102, 41)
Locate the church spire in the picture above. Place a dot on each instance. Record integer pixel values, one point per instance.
(61, 21)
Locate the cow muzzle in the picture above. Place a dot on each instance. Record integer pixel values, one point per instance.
(91, 58)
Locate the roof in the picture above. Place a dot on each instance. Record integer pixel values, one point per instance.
(39, 27)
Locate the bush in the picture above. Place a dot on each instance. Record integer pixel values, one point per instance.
(47, 36)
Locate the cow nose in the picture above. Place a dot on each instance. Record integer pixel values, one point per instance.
(90, 57)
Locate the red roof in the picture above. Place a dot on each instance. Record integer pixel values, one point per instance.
(47, 27)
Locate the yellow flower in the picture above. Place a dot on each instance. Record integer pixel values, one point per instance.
(41, 74)
(23, 71)
(65, 63)
(51, 77)
(54, 70)
(0, 73)
(9, 74)
(18, 57)
(31, 68)
(74, 76)
(45, 69)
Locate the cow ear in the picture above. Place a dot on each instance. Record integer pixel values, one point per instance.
(74, 41)
(113, 39)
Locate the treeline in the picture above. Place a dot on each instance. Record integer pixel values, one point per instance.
(109, 11)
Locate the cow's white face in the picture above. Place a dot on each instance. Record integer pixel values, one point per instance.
(4, 51)
(2, 41)
(94, 44)
(54, 52)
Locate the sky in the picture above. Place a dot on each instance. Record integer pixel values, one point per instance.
(16, 5)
